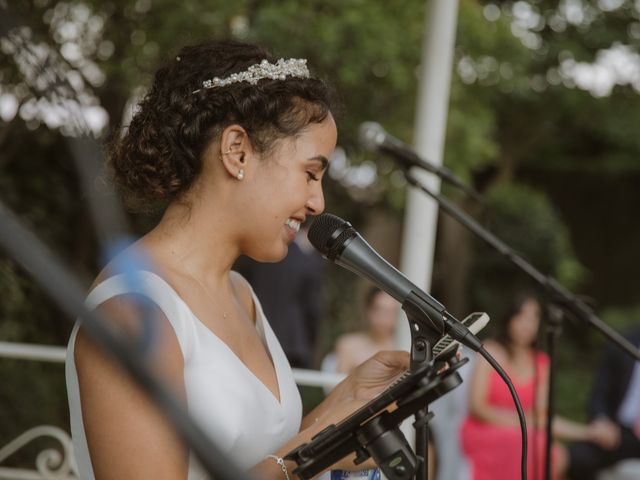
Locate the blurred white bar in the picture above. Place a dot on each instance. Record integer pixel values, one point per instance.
(315, 378)
(432, 107)
(27, 351)
(48, 353)
(421, 212)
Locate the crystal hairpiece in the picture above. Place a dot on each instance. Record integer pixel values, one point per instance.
(292, 67)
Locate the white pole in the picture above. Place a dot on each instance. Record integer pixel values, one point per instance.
(430, 127)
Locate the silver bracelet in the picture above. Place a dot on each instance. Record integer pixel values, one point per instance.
(280, 462)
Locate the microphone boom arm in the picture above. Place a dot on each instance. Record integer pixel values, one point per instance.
(563, 296)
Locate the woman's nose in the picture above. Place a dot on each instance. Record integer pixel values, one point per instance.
(315, 203)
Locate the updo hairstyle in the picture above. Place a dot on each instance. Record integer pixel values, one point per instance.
(160, 154)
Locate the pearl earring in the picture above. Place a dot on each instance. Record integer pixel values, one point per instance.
(240, 175)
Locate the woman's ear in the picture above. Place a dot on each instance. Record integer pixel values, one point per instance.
(235, 150)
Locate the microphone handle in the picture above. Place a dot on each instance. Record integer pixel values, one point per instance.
(360, 258)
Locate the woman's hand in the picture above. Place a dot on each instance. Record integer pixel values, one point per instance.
(371, 378)
(604, 433)
(366, 382)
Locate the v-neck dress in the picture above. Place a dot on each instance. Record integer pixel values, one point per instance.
(239, 413)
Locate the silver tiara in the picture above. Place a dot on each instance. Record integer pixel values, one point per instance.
(292, 67)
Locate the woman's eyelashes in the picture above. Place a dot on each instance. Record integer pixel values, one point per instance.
(312, 176)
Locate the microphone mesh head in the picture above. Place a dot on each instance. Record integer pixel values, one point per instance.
(328, 233)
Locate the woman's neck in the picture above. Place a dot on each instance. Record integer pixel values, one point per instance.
(196, 242)
(380, 339)
(519, 352)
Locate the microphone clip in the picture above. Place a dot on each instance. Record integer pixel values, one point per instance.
(373, 431)
(423, 339)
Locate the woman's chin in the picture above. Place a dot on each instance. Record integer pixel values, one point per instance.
(270, 257)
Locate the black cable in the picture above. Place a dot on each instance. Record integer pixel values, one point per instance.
(523, 423)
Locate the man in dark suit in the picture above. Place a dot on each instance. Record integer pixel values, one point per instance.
(614, 409)
(290, 292)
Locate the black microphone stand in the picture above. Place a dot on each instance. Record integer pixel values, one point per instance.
(554, 329)
(422, 341)
(561, 296)
(374, 430)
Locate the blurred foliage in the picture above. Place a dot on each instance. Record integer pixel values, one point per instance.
(515, 113)
(526, 221)
(32, 394)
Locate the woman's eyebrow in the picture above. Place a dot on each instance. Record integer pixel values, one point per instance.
(321, 159)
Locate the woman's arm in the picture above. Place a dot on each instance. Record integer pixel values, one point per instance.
(128, 437)
(366, 382)
(561, 427)
(566, 429)
(479, 405)
(542, 391)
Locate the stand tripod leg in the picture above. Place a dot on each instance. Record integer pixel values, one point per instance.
(554, 328)
(422, 441)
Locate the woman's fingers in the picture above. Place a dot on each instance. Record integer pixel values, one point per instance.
(394, 358)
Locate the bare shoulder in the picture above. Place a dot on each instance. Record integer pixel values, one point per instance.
(141, 255)
(106, 273)
(495, 349)
(136, 318)
(349, 341)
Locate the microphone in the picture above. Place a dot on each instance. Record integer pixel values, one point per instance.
(340, 243)
(374, 138)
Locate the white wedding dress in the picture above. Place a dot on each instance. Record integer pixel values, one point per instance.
(237, 411)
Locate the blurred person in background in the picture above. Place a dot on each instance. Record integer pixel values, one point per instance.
(380, 315)
(614, 411)
(490, 435)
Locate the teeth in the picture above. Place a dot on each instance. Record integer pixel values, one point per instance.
(293, 224)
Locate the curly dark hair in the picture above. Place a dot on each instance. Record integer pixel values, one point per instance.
(160, 154)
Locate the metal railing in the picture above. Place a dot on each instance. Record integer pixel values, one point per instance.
(48, 353)
(49, 464)
(60, 464)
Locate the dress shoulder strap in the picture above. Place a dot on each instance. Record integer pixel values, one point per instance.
(156, 289)
(542, 359)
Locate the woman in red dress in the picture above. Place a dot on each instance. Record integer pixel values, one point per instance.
(491, 436)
